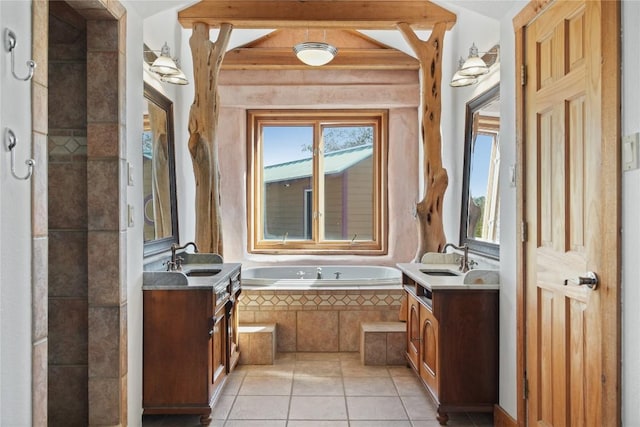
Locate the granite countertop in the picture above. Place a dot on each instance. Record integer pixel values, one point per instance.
(178, 280)
(479, 279)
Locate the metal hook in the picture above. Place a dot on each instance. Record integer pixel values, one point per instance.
(10, 42)
(11, 141)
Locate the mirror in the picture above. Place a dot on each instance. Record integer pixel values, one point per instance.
(480, 210)
(159, 173)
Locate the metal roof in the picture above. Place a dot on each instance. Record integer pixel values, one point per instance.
(334, 162)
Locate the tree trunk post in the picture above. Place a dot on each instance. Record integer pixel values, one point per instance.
(429, 209)
(203, 126)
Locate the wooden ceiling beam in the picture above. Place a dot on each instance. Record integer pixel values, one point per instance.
(352, 14)
(285, 59)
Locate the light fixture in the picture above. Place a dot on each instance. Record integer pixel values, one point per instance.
(460, 80)
(315, 53)
(474, 65)
(167, 67)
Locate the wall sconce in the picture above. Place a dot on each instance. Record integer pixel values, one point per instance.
(165, 66)
(474, 66)
(315, 53)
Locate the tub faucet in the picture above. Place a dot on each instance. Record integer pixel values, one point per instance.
(465, 265)
(319, 273)
(176, 262)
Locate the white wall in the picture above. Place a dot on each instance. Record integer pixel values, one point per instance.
(15, 225)
(133, 153)
(630, 223)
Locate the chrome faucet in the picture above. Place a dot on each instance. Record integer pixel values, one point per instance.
(176, 261)
(465, 263)
(319, 273)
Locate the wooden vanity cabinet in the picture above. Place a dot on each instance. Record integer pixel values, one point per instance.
(184, 351)
(457, 346)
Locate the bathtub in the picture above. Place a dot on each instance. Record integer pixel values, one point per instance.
(339, 277)
(319, 314)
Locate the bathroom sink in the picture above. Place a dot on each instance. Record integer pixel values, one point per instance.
(202, 273)
(447, 273)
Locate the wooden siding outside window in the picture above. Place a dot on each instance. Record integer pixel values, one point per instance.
(307, 195)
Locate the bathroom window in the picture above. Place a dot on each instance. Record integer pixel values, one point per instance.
(317, 181)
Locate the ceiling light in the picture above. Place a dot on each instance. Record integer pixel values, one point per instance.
(460, 80)
(315, 53)
(474, 65)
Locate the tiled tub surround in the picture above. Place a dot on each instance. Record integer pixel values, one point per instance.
(325, 320)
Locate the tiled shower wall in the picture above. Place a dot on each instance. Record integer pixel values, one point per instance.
(87, 360)
(319, 320)
(67, 148)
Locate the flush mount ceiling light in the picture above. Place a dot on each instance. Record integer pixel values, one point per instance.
(167, 67)
(460, 80)
(474, 66)
(315, 53)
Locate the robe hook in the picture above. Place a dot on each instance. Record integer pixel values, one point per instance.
(11, 141)
(10, 42)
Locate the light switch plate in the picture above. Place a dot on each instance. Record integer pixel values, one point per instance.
(130, 174)
(630, 145)
(130, 215)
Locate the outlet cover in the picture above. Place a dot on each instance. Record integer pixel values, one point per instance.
(630, 145)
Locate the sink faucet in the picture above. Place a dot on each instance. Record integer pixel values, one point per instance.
(465, 263)
(176, 262)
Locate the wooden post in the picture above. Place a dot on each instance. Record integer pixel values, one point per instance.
(203, 126)
(429, 209)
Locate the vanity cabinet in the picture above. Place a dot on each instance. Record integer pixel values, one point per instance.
(452, 345)
(187, 336)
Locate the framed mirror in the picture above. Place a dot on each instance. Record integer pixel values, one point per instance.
(159, 173)
(480, 209)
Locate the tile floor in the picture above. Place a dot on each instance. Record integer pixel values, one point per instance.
(322, 390)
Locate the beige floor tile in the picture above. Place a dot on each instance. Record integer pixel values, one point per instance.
(266, 386)
(317, 408)
(260, 408)
(418, 408)
(285, 358)
(317, 386)
(375, 408)
(255, 423)
(353, 368)
(400, 371)
(380, 423)
(318, 356)
(232, 385)
(320, 368)
(283, 370)
(410, 386)
(369, 386)
(333, 423)
(222, 407)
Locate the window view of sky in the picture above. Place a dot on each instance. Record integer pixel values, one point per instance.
(479, 174)
(285, 143)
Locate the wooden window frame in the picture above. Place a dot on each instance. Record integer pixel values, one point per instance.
(256, 119)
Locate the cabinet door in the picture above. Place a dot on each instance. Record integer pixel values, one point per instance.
(429, 363)
(413, 330)
(218, 347)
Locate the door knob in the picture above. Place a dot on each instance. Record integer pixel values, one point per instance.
(590, 279)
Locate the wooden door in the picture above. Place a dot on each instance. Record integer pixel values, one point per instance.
(429, 363)
(571, 215)
(413, 330)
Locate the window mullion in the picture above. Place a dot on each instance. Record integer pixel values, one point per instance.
(318, 182)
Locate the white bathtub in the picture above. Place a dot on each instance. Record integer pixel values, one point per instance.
(331, 277)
